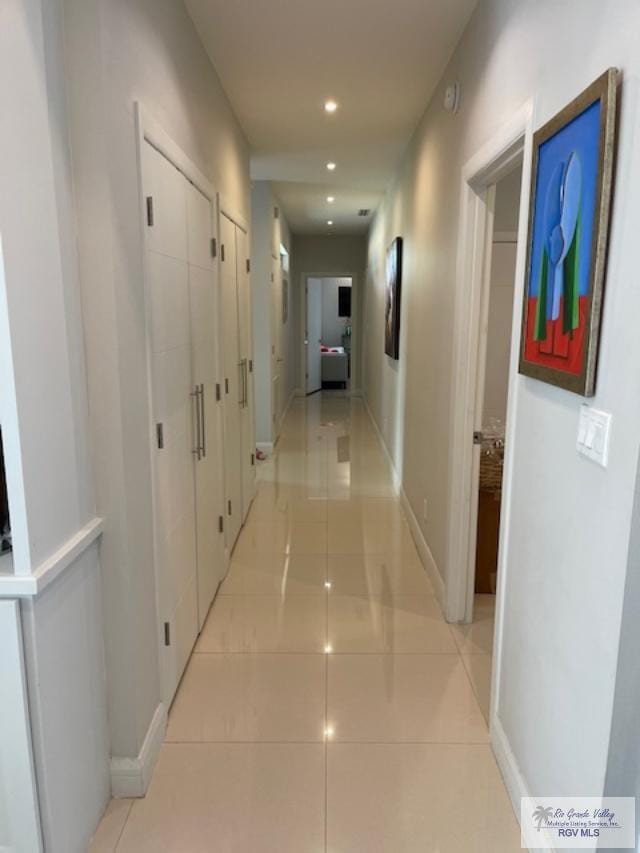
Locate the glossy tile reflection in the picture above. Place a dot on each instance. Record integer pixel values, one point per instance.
(328, 706)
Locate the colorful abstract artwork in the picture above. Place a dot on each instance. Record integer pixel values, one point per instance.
(393, 292)
(568, 224)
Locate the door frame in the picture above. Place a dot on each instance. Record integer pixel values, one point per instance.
(150, 131)
(355, 326)
(513, 142)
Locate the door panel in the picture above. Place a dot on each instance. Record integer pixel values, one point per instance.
(246, 358)
(314, 334)
(166, 186)
(209, 478)
(233, 380)
(170, 356)
(276, 363)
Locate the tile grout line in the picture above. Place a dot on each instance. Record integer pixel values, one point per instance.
(122, 828)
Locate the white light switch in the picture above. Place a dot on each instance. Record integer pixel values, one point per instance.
(593, 435)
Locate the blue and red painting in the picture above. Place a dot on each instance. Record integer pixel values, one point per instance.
(564, 223)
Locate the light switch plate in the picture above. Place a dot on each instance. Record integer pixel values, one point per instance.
(593, 435)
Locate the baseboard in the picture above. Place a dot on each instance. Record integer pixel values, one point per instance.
(130, 777)
(423, 549)
(265, 447)
(515, 785)
(397, 481)
(424, 552)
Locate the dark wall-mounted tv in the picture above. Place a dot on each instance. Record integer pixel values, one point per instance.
(344, 302)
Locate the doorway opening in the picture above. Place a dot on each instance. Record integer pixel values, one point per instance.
(328, 335)
(492, 390)
(491, 246)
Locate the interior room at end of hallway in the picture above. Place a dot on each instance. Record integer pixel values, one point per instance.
(328, 333)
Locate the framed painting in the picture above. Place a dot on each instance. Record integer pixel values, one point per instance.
(571, 183)
(393, 295)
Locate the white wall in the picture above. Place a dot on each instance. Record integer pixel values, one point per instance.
(268, 234)
(569, 522)
(332, 324)
(44, 407)
(332, 256)
(119, 52)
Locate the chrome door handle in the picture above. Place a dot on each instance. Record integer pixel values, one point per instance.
(203, 435)
(195, 396)
(242, 382)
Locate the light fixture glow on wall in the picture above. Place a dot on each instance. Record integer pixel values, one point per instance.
(329, 221)
(331, 166)
(330, 106)
(330, 199)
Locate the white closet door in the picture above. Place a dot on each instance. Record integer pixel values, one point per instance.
(209, 478)
(314, 334)
(234, 380)
(246, 358)
(276, 361)
(170, 354)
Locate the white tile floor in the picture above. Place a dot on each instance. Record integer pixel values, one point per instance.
(327, 706)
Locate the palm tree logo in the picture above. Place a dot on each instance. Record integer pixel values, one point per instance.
(541, 814)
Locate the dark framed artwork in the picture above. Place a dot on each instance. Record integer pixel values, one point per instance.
(393, 296)
(571, 184)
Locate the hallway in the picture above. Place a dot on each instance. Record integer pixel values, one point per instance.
(326, 706)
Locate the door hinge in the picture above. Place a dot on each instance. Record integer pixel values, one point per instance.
(272, 278)
(253, 458)
(214, 247)
(226, 386)
(220, 524)
(218, 392)
(228, 507)
(167, 634)
(276, 213)
(160, 435)
(150, 211)
(222, 252)
(250, 365)
(248, 265)
(477, 437)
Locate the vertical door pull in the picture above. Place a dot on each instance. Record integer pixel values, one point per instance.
(243, 382)
(195, 396)
(203, 439)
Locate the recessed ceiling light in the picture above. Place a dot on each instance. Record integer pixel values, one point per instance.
(329, 221)
(330, 106)
(331, 199)
(331, 166)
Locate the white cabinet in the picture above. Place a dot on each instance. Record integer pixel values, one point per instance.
(238, 375)
(181, 288)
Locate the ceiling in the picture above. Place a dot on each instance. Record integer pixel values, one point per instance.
(279, 60)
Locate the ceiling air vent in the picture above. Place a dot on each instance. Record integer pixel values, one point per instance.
(364, 212)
